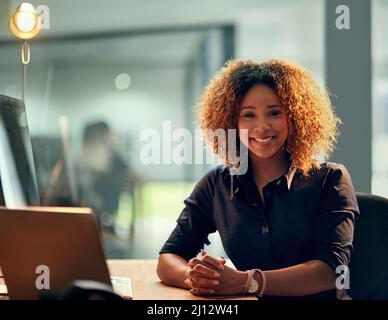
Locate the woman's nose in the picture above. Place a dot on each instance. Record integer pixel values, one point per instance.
(262, 125)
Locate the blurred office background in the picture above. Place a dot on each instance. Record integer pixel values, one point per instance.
(106, 71)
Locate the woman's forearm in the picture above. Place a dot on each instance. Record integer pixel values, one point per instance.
(172, 269)
(303, 279)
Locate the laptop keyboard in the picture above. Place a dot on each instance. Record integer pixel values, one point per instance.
(122, 286)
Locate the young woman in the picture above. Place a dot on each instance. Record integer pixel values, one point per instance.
(289, 222)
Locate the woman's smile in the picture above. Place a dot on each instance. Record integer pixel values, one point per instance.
(262, 141)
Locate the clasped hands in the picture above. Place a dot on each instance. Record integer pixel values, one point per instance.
(207, 275)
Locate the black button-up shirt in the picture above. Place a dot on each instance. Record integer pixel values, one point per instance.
(301, 218)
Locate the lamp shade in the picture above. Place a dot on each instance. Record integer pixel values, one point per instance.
(25, 22)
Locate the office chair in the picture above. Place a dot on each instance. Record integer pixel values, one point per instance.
(368, 268)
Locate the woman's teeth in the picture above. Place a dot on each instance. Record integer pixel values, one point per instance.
(263, 140)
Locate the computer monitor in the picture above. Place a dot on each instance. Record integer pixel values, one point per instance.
(17, 169)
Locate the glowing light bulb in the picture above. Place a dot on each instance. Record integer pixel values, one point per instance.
(25, 23)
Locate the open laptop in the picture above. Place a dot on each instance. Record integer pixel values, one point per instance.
(52, 247)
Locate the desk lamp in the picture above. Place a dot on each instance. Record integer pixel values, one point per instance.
(25, 24)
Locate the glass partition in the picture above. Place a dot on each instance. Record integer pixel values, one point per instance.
(94, 100)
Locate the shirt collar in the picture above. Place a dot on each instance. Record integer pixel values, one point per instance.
(290, 176)
(243, 180)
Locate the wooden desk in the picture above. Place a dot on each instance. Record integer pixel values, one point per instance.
(147, 286)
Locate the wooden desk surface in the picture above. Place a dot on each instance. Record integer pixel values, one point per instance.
(146, 284)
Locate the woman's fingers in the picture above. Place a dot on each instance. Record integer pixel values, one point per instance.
(204, 271)
(202, 291)
(198, 290)
(187, 273)
(201, 282)
(189, 283)
(213, 261)
(207, 260)
(194, 261)
(201, 275)
(220, 259)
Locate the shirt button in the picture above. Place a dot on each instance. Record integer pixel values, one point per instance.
(264, 229)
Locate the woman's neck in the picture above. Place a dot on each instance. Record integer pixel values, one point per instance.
(265, 170)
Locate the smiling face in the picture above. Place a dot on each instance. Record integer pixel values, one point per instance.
(262, 114)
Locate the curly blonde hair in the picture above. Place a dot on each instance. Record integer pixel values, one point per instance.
(313, 124)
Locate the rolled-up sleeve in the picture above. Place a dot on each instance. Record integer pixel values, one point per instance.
(195, 222)
(335, 219)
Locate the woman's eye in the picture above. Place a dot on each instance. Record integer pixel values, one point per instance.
(249, 115)
(274, 113)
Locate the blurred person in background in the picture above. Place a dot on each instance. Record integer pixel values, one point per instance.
(104, 173)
